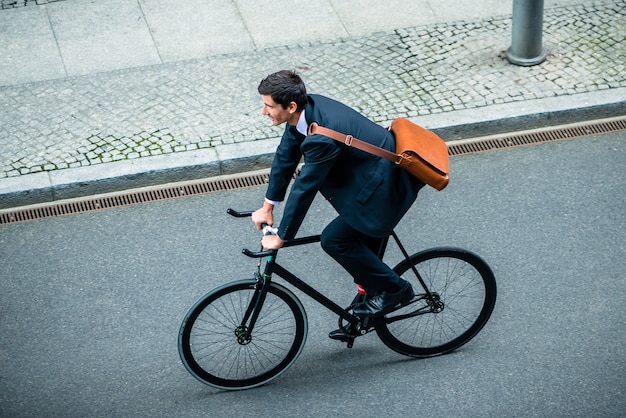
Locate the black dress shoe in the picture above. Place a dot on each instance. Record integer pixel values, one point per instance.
(385, 301)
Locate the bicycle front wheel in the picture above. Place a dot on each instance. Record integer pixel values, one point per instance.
(209, 340)
(464, 295)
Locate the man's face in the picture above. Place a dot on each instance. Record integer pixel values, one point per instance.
(276, 112)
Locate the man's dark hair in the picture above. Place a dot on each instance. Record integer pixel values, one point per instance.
(284, 87)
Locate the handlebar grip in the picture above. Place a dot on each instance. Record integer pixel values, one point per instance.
(238, 214)
(258, 254)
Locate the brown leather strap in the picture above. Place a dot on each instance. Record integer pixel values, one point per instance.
(351, 141)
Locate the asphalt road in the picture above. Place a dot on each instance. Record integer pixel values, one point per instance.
(90, 305)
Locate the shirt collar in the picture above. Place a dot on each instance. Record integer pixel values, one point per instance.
(302, 126)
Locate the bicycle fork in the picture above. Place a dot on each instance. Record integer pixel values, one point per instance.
(244, 331)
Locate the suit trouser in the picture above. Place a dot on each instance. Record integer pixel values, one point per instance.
(358, 254)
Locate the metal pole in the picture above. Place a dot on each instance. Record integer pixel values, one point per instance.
(526, 48)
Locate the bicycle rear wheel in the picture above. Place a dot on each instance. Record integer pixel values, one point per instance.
(208, 341)
(464, 290)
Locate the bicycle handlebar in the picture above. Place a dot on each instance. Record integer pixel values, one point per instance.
(267, 229)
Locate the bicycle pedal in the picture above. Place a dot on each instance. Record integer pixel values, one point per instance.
(342, 334)
(343, 338)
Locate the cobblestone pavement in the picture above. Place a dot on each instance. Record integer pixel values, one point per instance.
(190, 105)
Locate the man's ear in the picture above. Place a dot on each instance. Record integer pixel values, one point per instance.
(292, 108)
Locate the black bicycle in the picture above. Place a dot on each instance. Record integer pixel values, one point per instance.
(245, 333)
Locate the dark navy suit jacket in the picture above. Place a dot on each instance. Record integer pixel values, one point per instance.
(370, 193)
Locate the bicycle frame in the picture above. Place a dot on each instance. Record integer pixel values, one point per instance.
(264, 280)
(272, 267)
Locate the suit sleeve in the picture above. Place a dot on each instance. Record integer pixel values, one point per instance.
(320, 154)
(286, 160)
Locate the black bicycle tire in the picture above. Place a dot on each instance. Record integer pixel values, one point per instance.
(193, 365)
(490, 292)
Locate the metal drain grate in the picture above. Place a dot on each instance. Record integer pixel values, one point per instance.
(537, 136)
(132, 198)
(463, 147)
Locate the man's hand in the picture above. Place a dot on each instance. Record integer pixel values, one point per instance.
(272, 242)
(264, 215)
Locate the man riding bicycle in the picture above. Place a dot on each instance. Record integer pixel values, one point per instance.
(369, 193)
